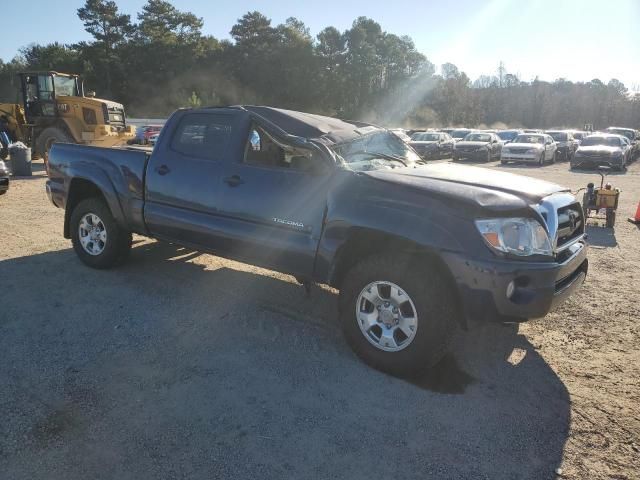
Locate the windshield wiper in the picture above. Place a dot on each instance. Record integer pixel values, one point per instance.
(386, 156)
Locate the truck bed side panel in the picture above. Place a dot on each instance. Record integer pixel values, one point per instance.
(118, 173)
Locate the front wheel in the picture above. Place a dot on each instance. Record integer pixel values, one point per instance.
(397, 317)
(96, 236)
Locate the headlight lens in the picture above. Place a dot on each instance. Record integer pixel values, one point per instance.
(517, 236)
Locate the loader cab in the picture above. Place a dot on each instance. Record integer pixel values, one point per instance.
(39, 90)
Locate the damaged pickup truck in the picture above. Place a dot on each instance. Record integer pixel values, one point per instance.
(415, 250)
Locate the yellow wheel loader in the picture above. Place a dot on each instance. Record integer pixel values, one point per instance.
(55, 109)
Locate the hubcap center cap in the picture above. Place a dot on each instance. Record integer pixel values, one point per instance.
(387, 317)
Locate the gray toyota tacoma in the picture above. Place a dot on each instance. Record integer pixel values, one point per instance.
(415, 250)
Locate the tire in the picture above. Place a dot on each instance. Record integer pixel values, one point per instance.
(48, 137)
(115, 244)
(429, 298)
(611, 218)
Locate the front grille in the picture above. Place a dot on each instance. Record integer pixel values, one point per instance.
(570, 224)
(518, 150)
(116, 117)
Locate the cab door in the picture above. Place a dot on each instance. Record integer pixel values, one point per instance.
(183, 179)
(38, 96)
(273, 201)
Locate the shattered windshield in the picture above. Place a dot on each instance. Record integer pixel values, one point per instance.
(381, 149)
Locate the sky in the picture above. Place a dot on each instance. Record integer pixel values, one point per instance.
(574, 39)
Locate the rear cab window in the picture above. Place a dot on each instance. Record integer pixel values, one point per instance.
(202, 135)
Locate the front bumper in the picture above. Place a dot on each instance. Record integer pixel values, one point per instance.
(595, 162)
(4, 183)
(540, 286)
(55, 193)
(520, 157)
(478, 155)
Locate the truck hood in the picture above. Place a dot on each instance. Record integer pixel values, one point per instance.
(483, 188)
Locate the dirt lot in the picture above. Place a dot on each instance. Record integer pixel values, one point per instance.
(182, 365)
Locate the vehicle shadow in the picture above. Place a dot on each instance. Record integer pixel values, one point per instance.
(602, 237)
(184, 366)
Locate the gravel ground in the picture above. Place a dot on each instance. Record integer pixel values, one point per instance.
(184, 365)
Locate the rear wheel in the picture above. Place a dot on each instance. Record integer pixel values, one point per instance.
(397, 317)
(611, 218)
(47, 138)
(96, 236)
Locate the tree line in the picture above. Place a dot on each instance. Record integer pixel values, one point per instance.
(161, 61)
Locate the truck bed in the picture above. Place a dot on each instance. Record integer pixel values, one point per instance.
(118, 172)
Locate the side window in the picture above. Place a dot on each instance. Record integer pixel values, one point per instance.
(263, 150)
(202, 135)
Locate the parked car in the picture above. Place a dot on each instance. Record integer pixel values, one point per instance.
(432, 145)
(153, 139)
(565, 143)
(414, 250)
(578, 135)
(507, 136)
(602, 150)
(4, 177)
(459, 133)
(530, 148)
(144, 133)
(478, 146)
(634, 139)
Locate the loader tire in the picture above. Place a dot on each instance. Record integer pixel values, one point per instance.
(48, 137)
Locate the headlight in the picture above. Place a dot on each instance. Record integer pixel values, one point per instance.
(517, 236)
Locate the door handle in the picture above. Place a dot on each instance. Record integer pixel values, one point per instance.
(233, 181)
(163, 170)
